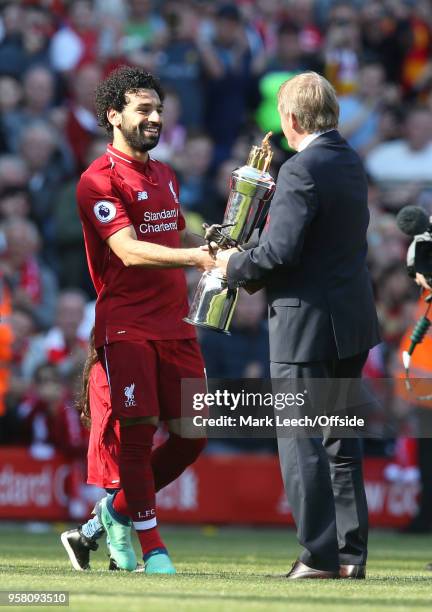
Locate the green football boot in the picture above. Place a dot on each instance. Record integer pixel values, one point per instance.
(158, 562)
(119, 537)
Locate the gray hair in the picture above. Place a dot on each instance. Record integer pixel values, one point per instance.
(312, 99)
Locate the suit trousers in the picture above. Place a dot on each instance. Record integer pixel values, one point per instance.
(323, 479)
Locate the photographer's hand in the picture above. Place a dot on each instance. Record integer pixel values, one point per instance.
(422, 282)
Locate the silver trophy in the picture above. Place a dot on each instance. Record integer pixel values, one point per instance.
(251, 189)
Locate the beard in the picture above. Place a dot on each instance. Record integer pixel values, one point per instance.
(138, 140)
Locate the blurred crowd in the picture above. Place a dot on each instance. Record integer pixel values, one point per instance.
(221, 65)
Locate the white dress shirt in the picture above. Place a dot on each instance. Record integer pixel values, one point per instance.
(310, 138)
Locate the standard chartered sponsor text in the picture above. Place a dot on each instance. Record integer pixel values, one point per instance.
(149, 227)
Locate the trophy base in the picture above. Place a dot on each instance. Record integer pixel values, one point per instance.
(206, 326)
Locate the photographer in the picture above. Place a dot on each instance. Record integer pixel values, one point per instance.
(420, 368)
(413, 221)
(416, 354)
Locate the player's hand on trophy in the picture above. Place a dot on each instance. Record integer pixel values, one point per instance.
(222, 258)
(202, 259)
(211, 248)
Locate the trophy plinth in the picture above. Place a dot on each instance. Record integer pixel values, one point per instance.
(251, 189)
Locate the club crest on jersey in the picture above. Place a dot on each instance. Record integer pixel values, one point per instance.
(104, 211)
(142, 195)
(171, 186)
(130, 396)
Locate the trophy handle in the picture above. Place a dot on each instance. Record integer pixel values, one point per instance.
(214, 233)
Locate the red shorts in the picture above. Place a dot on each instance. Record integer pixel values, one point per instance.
(145, 377)
(104, 443)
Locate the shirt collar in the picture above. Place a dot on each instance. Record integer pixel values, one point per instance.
(121, 158)
(147, 169)
(310, 138)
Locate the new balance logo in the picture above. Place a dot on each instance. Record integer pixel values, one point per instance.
(130, 396)
(142, 195)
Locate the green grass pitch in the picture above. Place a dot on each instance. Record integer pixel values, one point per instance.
(222, 570)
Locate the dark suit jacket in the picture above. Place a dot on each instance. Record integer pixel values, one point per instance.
(311, 257)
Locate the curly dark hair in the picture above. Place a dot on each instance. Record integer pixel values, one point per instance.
(82, 402)
(111, 92)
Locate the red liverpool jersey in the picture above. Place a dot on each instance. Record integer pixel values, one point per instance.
(133, 302)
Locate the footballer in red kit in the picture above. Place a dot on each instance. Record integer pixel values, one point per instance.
(133, 303)
(137, 247)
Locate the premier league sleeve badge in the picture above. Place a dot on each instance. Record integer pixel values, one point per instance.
(104, 211)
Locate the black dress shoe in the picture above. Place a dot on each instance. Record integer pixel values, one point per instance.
(300, 571)
(356, 572)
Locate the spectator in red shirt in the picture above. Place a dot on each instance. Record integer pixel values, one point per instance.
(76, 42)
(49, 424)
(62, 345)
(81, 120)
(33, 284)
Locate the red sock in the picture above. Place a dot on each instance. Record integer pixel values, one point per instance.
(138, 492)
(171, 458)
(120, 504)
(149, 540)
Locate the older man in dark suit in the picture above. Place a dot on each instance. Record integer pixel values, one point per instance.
(311, 258)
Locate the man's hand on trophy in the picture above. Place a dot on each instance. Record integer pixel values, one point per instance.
(222, 258)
